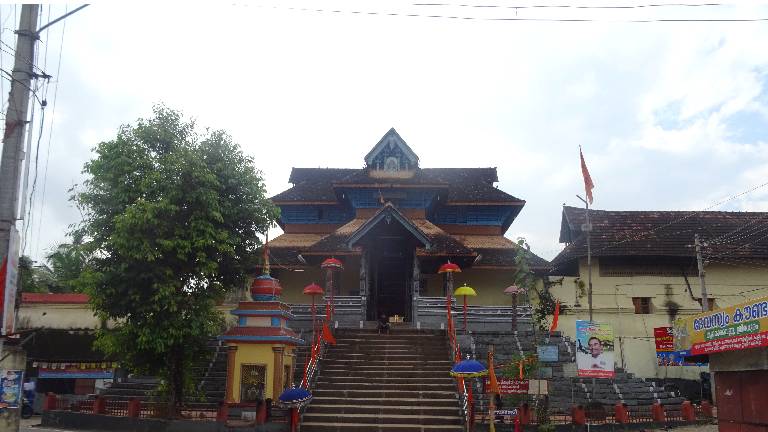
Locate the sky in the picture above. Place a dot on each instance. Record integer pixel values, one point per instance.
(671, 115)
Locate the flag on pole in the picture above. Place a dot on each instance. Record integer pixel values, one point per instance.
(588, 185)
(555, 317)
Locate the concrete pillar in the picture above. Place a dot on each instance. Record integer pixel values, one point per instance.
(231, 352)
(277, 375)
(16, 359)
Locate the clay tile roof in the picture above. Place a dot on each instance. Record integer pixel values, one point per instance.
(663, 233)
(464, 185)
(295, 240)
(51, 298)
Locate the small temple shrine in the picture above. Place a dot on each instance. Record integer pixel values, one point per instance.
(260, 357)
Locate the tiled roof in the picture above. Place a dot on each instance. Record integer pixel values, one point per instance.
(288, 240)
(664, 233)
(468, 185)
(51, 298)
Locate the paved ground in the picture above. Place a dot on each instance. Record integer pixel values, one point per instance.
(692, 428)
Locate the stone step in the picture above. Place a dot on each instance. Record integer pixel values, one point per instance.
(415, 419)
(425, 409)
(388, 367)
(412, 386)
(388, 380)
(396, 394)
(362, 374)
(378, 401)
(381, 427)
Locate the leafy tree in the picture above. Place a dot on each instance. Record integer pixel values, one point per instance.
(525, 278)
(32, 279)
(170, 222)
(68, 263)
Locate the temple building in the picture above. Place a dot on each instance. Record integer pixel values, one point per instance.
(392, 224)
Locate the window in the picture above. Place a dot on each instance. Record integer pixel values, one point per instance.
(642, 305)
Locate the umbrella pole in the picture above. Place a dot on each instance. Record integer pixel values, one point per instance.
(313, 320)
(465, 314)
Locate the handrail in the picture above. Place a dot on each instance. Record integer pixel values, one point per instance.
(456, 353)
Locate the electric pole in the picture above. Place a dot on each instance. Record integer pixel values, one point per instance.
(702, 273)
(13, 153)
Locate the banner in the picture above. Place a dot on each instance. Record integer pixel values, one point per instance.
(509, 386)
(73, 373)
(734, 328)
(10, 285)
(665, 349)
(594, 350)
(10, 384)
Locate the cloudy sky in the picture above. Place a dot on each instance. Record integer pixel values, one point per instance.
(672, 115)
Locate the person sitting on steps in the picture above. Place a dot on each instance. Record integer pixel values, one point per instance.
(383, 324)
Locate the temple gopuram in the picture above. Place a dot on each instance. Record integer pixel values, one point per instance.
(393, 224)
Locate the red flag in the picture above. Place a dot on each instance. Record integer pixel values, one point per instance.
(554, 319)
(588, 185)
(521, 369)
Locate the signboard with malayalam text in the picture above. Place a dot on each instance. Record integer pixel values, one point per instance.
(734, 328)
(508, 386)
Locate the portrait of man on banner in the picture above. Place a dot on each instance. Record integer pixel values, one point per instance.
(594, 349)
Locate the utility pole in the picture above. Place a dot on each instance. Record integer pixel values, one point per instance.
(587, 228)
(702, 274)
(13, 153)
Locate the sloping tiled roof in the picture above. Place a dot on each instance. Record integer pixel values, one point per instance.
(287, 240)
(468, 185)
(664, 233)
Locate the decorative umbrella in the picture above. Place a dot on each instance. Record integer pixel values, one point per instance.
(313, 290)
(295, 396)
(513, 291)
(468, 368)
(330, 265)
(465, 291)
(448, 269)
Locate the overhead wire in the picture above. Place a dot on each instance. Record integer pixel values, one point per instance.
(50, 135)
(512, 19)
(566, 6)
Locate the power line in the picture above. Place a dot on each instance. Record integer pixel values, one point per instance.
(516, 18)
(564, 6)
(50, 136)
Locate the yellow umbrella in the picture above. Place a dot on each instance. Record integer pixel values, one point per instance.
(465, 291)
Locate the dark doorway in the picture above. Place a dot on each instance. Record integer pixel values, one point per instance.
(392, 267)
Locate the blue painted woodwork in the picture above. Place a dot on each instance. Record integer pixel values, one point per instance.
(320, 214)
(275, 322)
(471, 215)
(402, 198)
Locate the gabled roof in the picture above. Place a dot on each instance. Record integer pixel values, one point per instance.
(388, 212)
(663, 233)
(392, 138)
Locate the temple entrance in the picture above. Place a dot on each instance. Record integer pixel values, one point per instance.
(392, 267)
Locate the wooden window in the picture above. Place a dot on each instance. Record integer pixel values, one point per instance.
(642, 305)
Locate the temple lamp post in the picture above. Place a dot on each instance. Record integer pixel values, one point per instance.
(313, 290)
(465, 291)
(448, 269)
(513, 291)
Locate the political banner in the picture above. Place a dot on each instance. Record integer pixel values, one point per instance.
(734, 328)
(665, 349)
(594, 350)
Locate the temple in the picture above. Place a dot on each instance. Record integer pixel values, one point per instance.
(393, 224)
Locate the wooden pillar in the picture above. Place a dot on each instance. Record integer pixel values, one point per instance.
(364, 284)
(231, 352)
(416, 289)
(277, 376)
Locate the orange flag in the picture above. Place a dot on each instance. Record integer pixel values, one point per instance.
(521, 369)
(588, 185)
(554, 319)
(493, 384)
(327, 335)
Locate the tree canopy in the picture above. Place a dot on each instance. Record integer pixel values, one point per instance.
(171, 217)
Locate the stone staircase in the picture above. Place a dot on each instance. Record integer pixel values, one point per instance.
(392, 382)
(210, 374)
(565, 389)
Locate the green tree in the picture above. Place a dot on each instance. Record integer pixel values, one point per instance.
(32, 279)
(527, 279)
(68, 263)
(171, 217)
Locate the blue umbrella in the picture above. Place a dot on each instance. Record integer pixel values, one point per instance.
(468, 369)
(295, 396)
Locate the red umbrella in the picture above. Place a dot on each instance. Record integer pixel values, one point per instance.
(330, 265)
(313, 290)
(448, 269)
